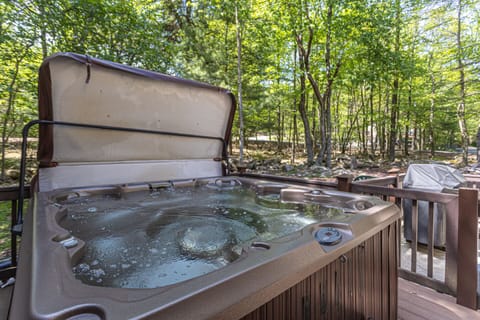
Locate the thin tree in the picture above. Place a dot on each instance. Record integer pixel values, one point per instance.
(461, 72)
(303, 59)
(331, 73)
(239, 81)
(431, 116)
(396, 86)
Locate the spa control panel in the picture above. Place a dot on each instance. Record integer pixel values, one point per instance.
(330, 237)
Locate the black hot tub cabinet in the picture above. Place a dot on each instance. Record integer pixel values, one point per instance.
(338, 260)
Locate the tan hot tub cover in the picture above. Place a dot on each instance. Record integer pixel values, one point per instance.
(81, 89)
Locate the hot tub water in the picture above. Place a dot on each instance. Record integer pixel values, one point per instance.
(162, 237)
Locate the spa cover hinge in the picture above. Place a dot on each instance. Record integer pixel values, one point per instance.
(88, 64)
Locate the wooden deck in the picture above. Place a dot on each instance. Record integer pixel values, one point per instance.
(416, 302)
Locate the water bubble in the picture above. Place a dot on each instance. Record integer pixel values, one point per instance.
(97, 273)
(82, 268)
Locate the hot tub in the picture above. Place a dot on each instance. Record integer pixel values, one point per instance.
(134, 214)
(222, 248)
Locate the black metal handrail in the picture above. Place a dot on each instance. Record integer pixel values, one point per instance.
(18, 227)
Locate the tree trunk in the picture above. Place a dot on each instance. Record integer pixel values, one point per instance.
(431, 117)
(294, 137)
(306, 124)
(294, 109)
(372, 124)
(279, 128)
(321, 128)
(282, 129)
(396, 86)
(386, 112)
(8, 112)
(43, 31)
(363, 104)
(239, 82)
(462, 123)
(393, 121)
(328, 128)
(336, 120)
(407, 135)
(324, 100)
(10, 106)
(381, 130)
(303, 56)
(353, 115)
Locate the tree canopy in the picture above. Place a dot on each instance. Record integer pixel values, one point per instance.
(367, 77)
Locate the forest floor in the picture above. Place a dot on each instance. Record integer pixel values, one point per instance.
(272, 162)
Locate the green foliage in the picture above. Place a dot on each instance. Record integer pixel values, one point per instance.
(196, 39)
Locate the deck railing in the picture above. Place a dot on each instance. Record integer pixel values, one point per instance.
(11, 194)
(461, 216)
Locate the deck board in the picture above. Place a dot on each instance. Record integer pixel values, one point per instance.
(416, 302)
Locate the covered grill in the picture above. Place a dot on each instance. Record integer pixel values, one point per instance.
(135, 217)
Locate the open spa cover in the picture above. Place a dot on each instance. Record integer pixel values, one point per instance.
(192, 121)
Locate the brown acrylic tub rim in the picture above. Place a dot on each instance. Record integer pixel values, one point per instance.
(256, 278)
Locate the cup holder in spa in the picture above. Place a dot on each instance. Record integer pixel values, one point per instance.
(224, 184)
(85, 313)
(360, 205)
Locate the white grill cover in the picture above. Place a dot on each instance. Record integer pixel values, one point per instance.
(433, 177)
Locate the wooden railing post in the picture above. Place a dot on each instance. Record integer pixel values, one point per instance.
(451, 245)
(11, 194)
(344, 182)
(467, 248)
